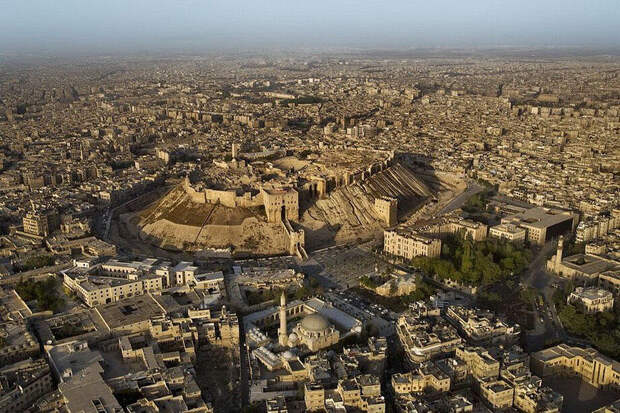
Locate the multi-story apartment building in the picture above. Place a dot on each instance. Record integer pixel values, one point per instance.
(592, 300)
(314, 396)
(610, 280)
(19, 343)
(362, 392)
(103, 290)
(115, 280)
(426, 377)
(497, 393)
(408, 244)
(592, 228)
(277, 405)
(586, 363)
(479, 362)
(477, 231)
(426, 338)
(532, 397)
(23, 383)
(482, 327)
(41, 223)
(508, 232)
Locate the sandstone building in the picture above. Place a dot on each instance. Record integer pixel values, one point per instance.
(592, 300)
(586, 363)
(408, 244)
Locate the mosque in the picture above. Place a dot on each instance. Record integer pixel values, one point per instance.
(314, 331)
(320, 325)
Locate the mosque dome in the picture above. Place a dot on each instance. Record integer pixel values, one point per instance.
(314, 323)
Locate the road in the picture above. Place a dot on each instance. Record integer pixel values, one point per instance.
(244, 368)
(536, 277)
(459, 200)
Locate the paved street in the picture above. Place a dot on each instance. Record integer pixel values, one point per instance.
(550, 328)
(459, 200)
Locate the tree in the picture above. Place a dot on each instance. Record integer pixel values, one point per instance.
(366, 281)
(302, 293)
(475, 263)
(466, 259)
(44, 292)
(393, 287)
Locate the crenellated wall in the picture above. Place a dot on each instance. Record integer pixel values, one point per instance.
(227, 198)
(230, 198)
(194, 196)
(361, 175)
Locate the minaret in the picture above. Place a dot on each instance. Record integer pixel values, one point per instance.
(282, 336)
(558, 254)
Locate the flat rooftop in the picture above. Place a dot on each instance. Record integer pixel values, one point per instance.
(508, 228)
(336, 316)
(130, 311)
(592, 293)
(588, 264)
(540, 217)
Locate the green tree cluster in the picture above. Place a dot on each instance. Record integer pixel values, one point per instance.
(601, 329)
(260, 296)
(35, 262)
(368, 282)
(478, 202)
(308, 290)
(44, 292)
(422, 292)
(475, 263)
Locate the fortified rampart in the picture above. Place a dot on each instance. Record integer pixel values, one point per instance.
(227, 198)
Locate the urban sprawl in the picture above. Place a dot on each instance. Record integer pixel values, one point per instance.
(374, 232)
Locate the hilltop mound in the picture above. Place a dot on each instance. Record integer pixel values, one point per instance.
(347, 214)
(177, 207)
(176, 222)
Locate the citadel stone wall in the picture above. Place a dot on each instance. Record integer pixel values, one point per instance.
(194, 196)
(230, 198)
(227, 198)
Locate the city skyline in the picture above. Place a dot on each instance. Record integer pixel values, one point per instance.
(325, 207)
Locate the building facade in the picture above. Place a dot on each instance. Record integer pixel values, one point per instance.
(409, 245)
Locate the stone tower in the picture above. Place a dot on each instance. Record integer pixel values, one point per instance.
(321, 187)
(282, 335)
(387, 209)
(558, 254)
(281, 204)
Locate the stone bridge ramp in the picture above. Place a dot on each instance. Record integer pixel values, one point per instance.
(396, 181)
(353, 205)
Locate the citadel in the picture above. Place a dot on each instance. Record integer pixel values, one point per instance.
(278, 203)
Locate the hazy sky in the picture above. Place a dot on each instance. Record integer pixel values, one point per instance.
(102, 26)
